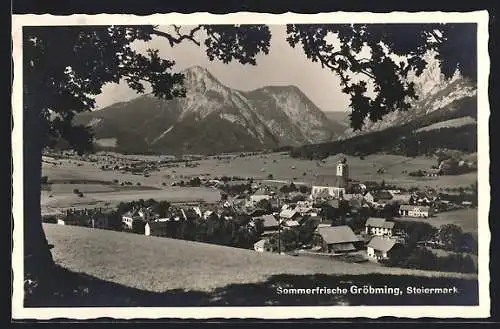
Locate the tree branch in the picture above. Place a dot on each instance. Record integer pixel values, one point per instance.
(173, 40)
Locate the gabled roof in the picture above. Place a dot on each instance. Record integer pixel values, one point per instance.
(382, 195)
(337, 234)
(375, 222)
(288, 213)
(389, 225)
(412, 207)
(382, 243)
(260, 244)
(291, 223)
(269, 221)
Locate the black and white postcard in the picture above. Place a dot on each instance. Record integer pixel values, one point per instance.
(251, 165)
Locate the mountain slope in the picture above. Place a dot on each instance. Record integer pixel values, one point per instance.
(213, 118)
(434, 92)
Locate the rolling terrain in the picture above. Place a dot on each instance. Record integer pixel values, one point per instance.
(169, 272)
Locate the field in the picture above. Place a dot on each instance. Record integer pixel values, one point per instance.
(449, 123)
(103, 188)
(465, 218)
(165, 271)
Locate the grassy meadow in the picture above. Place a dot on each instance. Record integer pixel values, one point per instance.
(140, 271)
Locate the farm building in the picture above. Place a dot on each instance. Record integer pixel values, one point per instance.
(382, 196)
(415, 211)
(261, 194)
(379, 226)
(262, 246)
(288, 214)
(291, 223)
(327, 192)
(270, 222)
(338, 239)
(379, 247)
(402, 198)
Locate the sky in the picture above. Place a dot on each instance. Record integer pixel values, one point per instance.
(283, 66)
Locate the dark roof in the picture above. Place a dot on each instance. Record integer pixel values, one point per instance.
(382, 195)
(337, 234)
(343, 247)
(389, 225)
(382, 243)
(375, 222)
(269, 221)
(411, 207)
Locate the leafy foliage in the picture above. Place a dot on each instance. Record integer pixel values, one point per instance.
(395, 51)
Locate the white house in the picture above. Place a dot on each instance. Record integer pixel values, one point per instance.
(262, 246)
(415, 211)
(379, 248)
(379, 226)
(288, 214)
(333, 191)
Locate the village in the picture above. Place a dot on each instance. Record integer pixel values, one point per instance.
(348, 220)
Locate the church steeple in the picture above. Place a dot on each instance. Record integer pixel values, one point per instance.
(342, 173)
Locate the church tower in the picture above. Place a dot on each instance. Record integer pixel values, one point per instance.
(342, 173)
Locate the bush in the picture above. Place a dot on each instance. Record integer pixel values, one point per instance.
(138, 184)
(115, 181)
(270, 176)
(76, 191)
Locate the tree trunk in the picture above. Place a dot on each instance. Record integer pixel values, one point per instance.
(37, 255)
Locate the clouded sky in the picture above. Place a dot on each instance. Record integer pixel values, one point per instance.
(283, 66)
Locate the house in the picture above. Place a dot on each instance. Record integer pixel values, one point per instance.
(129, 217)
(262, 245)
(433, 172)
(415, 211)
(467, 203)
(261, 194)
(291, 223)
(382, 196)
(369, 197)
(327, 192)
(338, 239)
(379, 226)
(156, 228)
(288, 214)
(270, 222)
(380, 248)
(402, 198)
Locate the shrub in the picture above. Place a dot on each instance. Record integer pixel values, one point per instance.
(76, 191)
(270, 176)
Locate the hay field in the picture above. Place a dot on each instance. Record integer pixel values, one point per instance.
(280, 165)
(467, 219)
(162, 264)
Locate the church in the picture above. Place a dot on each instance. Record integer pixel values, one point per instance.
(336, 190)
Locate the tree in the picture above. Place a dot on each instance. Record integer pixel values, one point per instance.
(450, 236)
(396, 50)
(65, 67)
